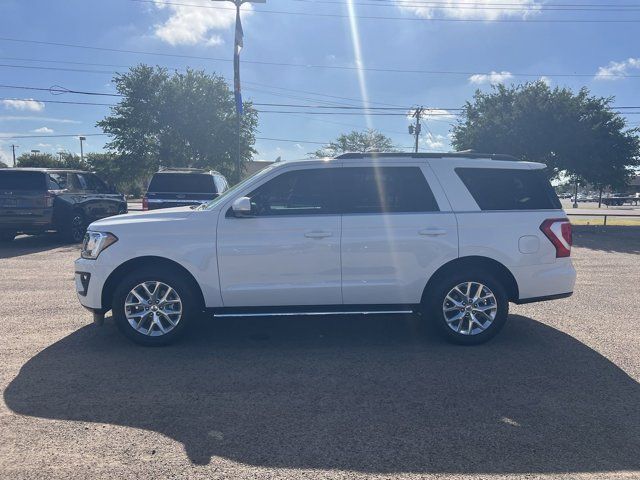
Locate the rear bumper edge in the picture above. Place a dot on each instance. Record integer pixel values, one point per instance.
(544, 298)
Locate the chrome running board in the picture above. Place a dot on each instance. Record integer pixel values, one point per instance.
(307, 314)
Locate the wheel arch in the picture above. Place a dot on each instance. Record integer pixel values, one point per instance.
(484, 263)
(133, 264)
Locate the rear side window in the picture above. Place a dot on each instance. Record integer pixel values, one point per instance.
(509, 189)
(94, 183)
(386, 190)
(182, 183)
(20, 180)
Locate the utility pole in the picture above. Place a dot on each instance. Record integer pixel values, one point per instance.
(417, 128)
(81, 151)
(13, 149)
(238, 44)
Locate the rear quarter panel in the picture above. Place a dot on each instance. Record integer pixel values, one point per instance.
(510, 237)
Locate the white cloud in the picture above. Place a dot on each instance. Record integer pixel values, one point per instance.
(477, 9)
(28, 104)
(436, 142)
(43, 145)
(431, 114)
(617, 70)
(546, 80)
(491, 78)
(192, 25)
(43, 130)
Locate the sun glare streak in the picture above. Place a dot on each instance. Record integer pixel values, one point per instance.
(357, 53)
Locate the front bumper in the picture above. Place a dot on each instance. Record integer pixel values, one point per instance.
(90, 277)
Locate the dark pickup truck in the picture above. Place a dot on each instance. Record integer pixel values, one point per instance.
(35, 200)
(177, 187)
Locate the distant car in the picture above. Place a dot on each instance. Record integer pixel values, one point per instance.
(34, 200)
(180, 187)
(616, 199)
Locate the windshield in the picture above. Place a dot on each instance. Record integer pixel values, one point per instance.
(223, 196)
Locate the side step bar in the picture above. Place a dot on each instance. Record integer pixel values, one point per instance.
(311, 313)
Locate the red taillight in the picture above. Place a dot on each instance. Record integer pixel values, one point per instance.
(145, 203)
(558, 231)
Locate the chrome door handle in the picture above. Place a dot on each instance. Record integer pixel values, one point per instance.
(317, 234)
(432, 232)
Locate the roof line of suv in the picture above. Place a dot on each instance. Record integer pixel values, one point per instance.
(185, 170)
(46, 169)
(462, 154)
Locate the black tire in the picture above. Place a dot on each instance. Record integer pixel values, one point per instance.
(434, 302)
(75, 228)
(170, 277)
(6, 237)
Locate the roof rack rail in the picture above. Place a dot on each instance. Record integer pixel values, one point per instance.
(461, 154)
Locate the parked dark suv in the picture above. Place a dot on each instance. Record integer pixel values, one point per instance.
(34, 200)
(179, 187)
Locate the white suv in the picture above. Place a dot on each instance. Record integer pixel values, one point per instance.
(455, 237)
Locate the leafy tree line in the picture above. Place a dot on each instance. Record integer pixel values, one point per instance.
(176, 120)
(578, 135)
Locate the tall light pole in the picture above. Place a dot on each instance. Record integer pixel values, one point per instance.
(13, 149)
(237, 46)
(82, 139)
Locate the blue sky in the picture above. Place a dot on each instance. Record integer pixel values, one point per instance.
(507, 37)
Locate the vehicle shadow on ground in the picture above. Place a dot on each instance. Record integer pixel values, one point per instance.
(28, 244)
(368, 395)
(607, 239)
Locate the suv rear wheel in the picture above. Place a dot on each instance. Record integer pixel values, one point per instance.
(468, 308)
(153, 306)
(75, 228)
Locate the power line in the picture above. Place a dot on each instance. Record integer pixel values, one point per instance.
(287, 64)
(411, 19)
(484, 6)
(105, 134)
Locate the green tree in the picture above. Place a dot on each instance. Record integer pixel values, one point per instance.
(114, 170)
(578, 134)
(39, 160)
(369, 140)
(176, 120)
(48, 160)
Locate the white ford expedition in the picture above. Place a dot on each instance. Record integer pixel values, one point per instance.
(455, 237)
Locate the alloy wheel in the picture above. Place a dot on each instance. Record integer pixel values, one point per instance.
(470, 308)
(77, 228)
(153, 308)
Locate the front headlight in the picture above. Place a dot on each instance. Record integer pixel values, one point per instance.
(96, 242)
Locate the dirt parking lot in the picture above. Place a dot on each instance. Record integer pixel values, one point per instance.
(555, 395)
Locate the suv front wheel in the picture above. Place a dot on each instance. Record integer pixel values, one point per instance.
(468, 308)
(153, 307)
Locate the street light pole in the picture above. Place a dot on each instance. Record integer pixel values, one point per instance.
(13, 149)
(82, 139)
(238, 44)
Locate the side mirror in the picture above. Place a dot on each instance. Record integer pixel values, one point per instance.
(241, 206)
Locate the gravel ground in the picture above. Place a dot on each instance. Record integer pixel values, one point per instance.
(555, 395)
